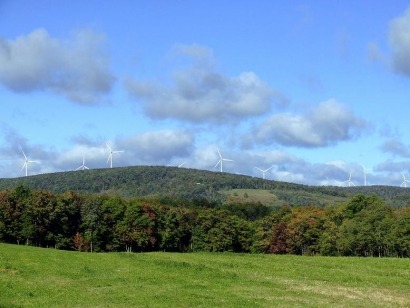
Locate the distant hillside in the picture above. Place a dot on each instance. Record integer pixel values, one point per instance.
(191, 184)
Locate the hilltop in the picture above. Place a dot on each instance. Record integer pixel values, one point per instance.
(184, 183)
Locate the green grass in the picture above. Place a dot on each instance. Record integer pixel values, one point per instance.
(252, 195)
(36, 277)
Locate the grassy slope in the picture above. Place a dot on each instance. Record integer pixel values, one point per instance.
(51, 278)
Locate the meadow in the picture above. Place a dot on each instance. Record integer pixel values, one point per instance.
(41, 277)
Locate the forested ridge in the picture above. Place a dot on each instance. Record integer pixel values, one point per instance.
(184, 183)
(362, 226)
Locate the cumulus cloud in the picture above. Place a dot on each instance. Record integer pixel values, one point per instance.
(399, 36)
(200, 93)
(77, 68)
(395, 147)
(329, 123)
(157, 147)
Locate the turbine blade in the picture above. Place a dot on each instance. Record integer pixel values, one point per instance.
(219, 161)
(219, 153)
(23, 153)
(109, 157)
(259, 169)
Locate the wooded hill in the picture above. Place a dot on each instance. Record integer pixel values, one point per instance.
(193, 184)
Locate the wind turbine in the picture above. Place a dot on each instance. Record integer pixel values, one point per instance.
(349, 181)
(264, 171)
(26, 161)
(405, 181)
(111, 153)
(365, 173)
(221, 159)
(83, 166)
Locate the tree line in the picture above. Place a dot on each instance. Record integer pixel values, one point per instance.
(138, 181)
(363, 226)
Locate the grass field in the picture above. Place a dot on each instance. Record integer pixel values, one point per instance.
(35, 277)
(252, 195)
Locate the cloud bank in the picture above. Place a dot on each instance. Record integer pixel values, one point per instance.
(200, 93)
(157, 147)
(327, 124)
(77, 68)
(396, 148)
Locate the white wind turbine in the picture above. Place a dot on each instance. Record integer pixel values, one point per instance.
(264, 171)
(111, 153)
(83, 166)
(26, 161)
(405, 181)
(365, 170)
(349, 181)
(221, 159)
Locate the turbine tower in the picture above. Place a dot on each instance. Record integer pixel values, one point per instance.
(349, 181)
(111, 154)
(405, 181)
(365, 170)
(83, 166)
(26, 162)
(264, 171)
(221, 159)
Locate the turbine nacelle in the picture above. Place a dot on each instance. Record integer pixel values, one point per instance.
(264, 171)
(349, 181)
(83, 166)
(26, 162)
(221, 160)
(111, 154)
(405, 181)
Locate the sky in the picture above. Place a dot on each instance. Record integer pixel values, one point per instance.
(313, 92)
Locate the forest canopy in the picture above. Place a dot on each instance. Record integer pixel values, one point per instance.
(362, 226)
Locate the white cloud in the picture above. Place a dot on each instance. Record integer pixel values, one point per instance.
(396, 147)
(76, 68)
(200, 93)
(399, 36)
(329, 123)
(157, 147)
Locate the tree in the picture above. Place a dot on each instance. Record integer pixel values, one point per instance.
(304, 229)
(367, 232)
(91, 217)
(217, 230)
(37, 218)
(11, 210)
(66, 219)
(138, 227)
(400, 233)
(266, 231)
(113, 209)
(175, 228)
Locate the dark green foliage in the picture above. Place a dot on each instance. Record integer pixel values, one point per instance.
(205, 187)
(248, 210)
(363, 226)
(217, 230)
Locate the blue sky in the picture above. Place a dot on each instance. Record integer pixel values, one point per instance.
(316, 89)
